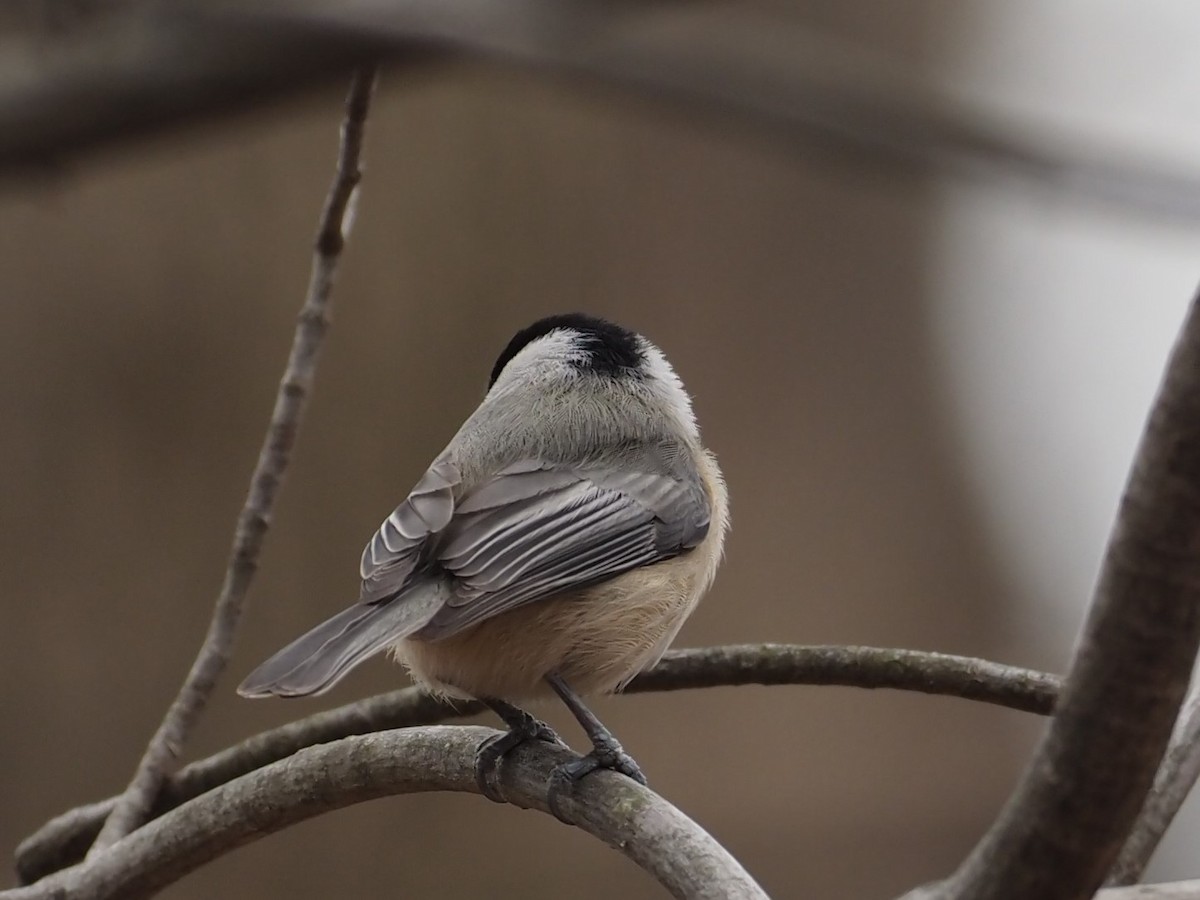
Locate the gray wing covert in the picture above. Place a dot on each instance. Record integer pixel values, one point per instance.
(395, 551)
(538, 528)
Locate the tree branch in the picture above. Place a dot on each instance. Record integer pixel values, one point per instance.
(1061, 830)
(149, 66)
(135, 804)
(861, 667)
(623, 814)
(1175, 779)
(63, 840)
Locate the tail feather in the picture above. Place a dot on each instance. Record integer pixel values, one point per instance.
(317, 660)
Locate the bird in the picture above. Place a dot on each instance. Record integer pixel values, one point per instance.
(555, 547)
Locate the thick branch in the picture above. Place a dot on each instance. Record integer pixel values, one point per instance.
(154, 65)
(63, 840)
(623, 814)
(134, 805)
(1175, 779)
(1064, 825)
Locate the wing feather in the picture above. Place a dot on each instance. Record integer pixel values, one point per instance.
(537, 529)
(392, 556)
(439, 564)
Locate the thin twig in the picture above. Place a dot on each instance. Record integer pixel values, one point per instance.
(1060, 832)
(135, 804)
(860, 667)
(63, 840)
(623, 814)
(1174, 782)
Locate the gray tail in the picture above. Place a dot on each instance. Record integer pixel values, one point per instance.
(316, 661)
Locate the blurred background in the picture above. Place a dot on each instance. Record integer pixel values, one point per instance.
(924, 391)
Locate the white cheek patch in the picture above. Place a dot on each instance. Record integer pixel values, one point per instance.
(657, 367)
(672, 392)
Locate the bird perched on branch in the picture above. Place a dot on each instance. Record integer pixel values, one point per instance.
(556, 545)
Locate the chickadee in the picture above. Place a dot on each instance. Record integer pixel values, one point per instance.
(557, 544)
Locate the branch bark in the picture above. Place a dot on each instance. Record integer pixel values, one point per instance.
(1061, 830)
(63, 840)
(1176, 777)
(625, 815)
(134, 805)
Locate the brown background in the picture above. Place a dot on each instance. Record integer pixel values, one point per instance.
(150, 295)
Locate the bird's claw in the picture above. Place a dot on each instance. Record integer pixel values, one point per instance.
(605, 755)
(491, 752)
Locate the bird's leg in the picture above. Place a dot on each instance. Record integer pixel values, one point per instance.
(521, 727)
(607, 752)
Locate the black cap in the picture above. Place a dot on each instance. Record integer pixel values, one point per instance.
(608, 348)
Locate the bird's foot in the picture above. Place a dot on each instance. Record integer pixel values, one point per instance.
(606, 754)
(490, 753)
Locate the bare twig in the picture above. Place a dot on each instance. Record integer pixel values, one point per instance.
(151, 66)
(625, 815)
(141, 67)
(860, 667)
(1063, 827)
(63, 840)
(1175, 779)
(134, 805)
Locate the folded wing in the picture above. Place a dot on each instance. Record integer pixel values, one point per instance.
(538, 528)
(393, 556)
(437, 566)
